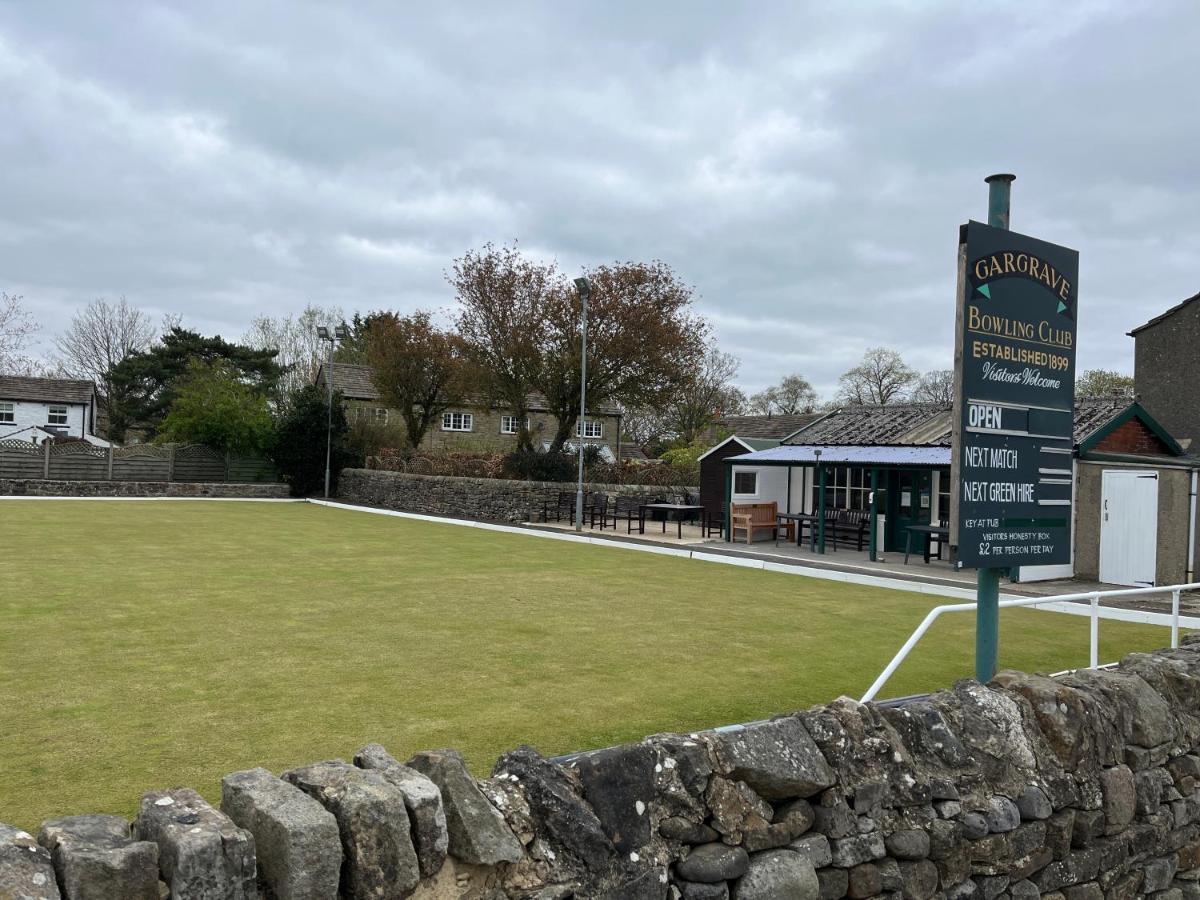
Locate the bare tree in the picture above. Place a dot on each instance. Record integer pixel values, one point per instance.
(295, 339)
(17, 326)
(706, 395)
(792, 395)
(935, 386)
(99, 337)
(1104, 383)
(882, 377)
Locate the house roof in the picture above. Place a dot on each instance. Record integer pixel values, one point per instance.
(771, 427)
(353, 382)
(46, 390)
(750, 445)
(1166, 315)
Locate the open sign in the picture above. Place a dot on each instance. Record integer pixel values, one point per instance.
(984, 415)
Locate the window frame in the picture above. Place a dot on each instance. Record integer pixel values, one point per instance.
(510, 420)
(466, 422)
(8, 412)
(591, 424)
(745, 495)
(52, 411)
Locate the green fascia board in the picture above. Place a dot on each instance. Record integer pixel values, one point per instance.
(1134, 410)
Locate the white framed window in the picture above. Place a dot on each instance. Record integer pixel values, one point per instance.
(745, 483)
(56, 415)
(589, 429)
(8, 413)
(511, 424)
(457, 421)
(381, 415)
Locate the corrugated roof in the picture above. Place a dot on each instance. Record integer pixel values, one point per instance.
(898, 423)
(928, 424)
(46, 390)
(773, 427)
(858, 455)
(1166, 315)
(353, 382)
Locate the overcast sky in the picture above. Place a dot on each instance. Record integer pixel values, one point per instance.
(805, 167)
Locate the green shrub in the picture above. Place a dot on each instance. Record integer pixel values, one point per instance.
(532, 465)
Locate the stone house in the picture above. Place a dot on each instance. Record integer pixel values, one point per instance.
(39, 409)
(472, 425)
(1166, 360)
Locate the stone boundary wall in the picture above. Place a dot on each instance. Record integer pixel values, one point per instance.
(1083, 787)
(489, 499)
(37, 487)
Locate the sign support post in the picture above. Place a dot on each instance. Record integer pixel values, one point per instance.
(987, 581)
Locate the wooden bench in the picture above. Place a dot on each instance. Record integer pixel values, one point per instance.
(850, 523)
(752, 517)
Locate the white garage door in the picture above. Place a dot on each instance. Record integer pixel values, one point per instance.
(1128, 527)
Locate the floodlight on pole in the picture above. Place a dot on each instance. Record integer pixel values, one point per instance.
(584, 287)
(339, 333)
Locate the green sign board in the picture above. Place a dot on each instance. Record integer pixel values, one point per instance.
(1015, 400)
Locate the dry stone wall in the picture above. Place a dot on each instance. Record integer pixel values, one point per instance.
(37, 487)
(489, 499)
(1085, 787)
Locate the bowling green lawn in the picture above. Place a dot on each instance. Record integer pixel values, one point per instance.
(151, 644)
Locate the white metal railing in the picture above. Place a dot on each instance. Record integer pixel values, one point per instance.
(1093, 597)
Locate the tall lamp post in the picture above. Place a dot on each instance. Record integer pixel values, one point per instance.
(340, 333)
(584, 287)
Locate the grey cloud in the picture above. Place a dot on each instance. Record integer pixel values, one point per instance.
(805, 167)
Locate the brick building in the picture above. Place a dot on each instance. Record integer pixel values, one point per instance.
(1166, 361)
(472, 425)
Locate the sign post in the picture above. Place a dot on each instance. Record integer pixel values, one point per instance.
(1014, 407)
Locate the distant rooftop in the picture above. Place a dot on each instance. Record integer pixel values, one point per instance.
(771, 427)
(353, 382)
(46, 390)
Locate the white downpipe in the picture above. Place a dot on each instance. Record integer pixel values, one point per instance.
(1191, 555)
(1092, 597)
(1094, 653)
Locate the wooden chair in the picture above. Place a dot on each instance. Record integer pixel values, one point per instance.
(625, 507)
(564, 506)
(597, 508)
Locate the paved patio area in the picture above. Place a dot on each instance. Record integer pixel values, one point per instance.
(888, 565)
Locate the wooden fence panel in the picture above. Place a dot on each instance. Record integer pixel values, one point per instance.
(141, 463)
(252, 469)
(78, 462)
(196, 463)
(21, 459)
